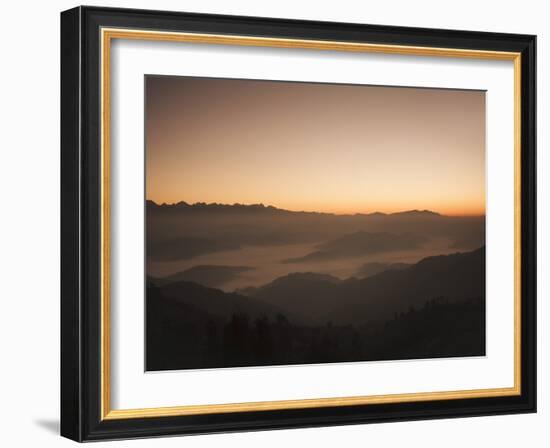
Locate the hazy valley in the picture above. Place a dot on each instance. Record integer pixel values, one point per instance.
(272, 243)
(255, 285)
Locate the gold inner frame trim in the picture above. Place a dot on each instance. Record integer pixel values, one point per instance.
(107, 35)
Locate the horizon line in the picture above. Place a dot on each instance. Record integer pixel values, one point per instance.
(269, 206)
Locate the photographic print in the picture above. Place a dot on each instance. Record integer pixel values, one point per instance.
(344, 212)
(297, 223)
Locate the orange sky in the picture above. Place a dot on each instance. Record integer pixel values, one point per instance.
(316, 147)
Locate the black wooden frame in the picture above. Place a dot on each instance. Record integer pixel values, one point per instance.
(80, 223)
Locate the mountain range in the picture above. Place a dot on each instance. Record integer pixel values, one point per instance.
(432, 308)
(314, 298)
(185, 231)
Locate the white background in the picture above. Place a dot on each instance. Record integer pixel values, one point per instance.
(29, 237)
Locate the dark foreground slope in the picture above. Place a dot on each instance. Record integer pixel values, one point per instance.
(317, 299)
(435, 308)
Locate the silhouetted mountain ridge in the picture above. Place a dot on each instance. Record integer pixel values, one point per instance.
(434, 308)
(213, 301)
(454, 277)
(238, 207)
(207, 275)
(185, 231)
(318, 298)
(361, 243)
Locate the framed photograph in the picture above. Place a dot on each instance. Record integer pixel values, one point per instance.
(272, 223)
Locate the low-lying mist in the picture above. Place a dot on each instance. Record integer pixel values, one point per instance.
(216, 240)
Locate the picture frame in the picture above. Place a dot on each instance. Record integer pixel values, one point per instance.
(87, 386)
